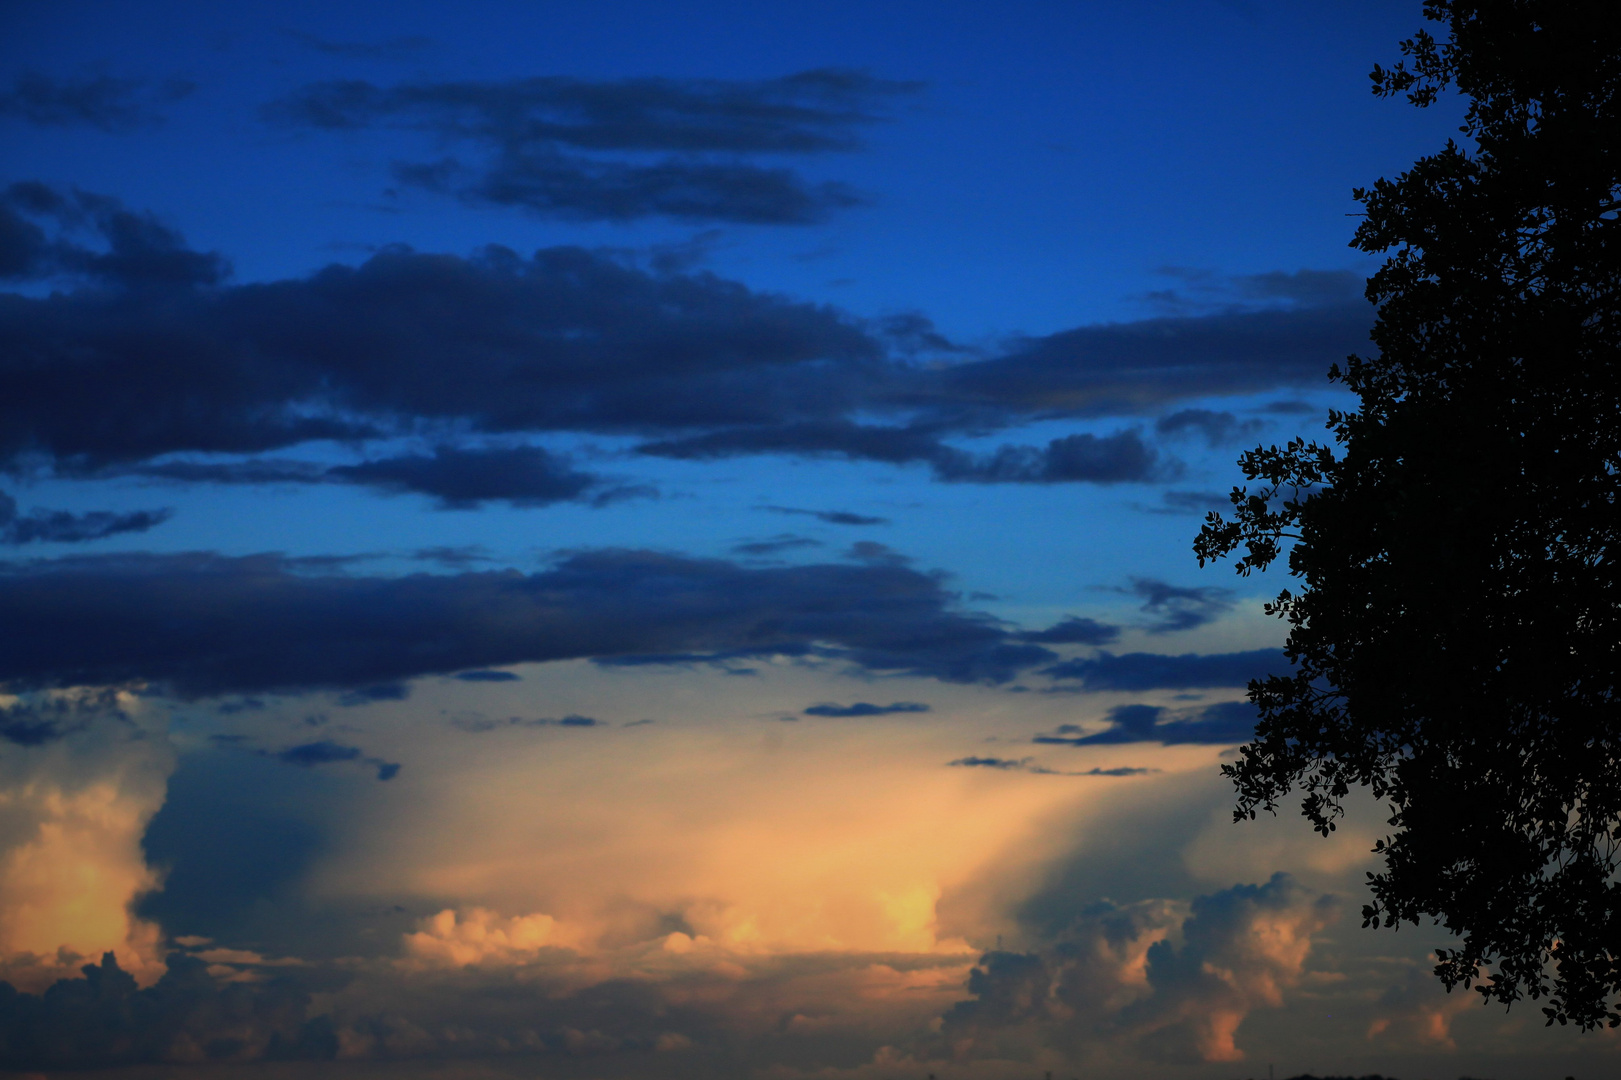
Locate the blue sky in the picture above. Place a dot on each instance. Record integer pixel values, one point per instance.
(655, 539)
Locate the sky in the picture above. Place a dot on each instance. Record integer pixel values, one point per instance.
(654, 540)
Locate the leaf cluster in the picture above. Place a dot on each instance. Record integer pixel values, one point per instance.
(1456, 622)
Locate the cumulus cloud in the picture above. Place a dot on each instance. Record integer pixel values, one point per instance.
(1176, 981)
(104, 1018)
(207, 624)
(82, 777)
(557, 145)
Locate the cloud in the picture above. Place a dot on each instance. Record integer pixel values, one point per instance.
(1134, 367)
(543, 140)
(461, 479)
(1193, 502)
(1178, 607)
(308, 755)
(774, 545)
(1121, 457)
(1024, 765)
(144, 350)
(102, 101)
(862, 708)
(205, 624)
(1157, 671)
(1121, 973)
(134, 250)
(477, 724)
(104, 1019)
(566, 340)
(830, 517)
(487, 676)
(1218, 428)
(36, 719)
(62, 527)
(1073, 630)
(1225, 724)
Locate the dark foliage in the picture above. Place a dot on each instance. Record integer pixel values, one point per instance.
(1458, 630)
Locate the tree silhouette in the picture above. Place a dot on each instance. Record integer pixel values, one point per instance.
(1456, 628)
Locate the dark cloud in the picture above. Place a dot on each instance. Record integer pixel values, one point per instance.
(1193, 502)
(61, 527)
(1156, 671)
(1232, 952)
(774, 545)
(146, 351)
(207, 625)
(1110, 459)
(477, 723)
(487, 676)
(463, 479)
(308, 755)
(36, 719)
(862, 708)
(1135, 367)
(101, 101)
(133, 250)
(580, 189)
(1200, 290)
(1024, 765)
(367, 695)
(830, 517)
(567, 340)
(1218, 428)
(1073, 630)
(1179, 607)
(1225, 724)
(543, 141)
(104, 1019)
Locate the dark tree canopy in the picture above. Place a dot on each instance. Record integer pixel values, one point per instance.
(1456, 625)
